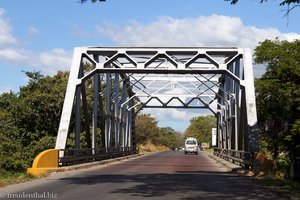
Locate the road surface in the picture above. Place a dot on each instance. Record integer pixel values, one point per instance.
(165, 175)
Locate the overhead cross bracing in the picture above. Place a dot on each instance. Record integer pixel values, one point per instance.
(125, 80)
(174, 91)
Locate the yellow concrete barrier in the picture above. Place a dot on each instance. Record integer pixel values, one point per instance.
(44, 163)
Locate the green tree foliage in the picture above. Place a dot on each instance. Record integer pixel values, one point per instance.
(295, 3)
(170, 138)
(10, 145)
(146, 129)
(200, 128)
(282, 3)
(290, 4)
(39, 105)
(278, 99)
(29, 120)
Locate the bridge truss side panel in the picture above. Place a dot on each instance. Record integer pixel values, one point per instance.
(95, 112)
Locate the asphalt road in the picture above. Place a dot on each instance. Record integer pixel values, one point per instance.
(165, 175)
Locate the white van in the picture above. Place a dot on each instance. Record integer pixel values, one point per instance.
(191, 145)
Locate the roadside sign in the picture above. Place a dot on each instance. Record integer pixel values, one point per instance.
(214, 136)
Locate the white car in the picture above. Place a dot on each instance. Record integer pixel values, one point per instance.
(191, 145)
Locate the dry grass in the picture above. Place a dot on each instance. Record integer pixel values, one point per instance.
(149, 147)
(9, 178)
(209, 150)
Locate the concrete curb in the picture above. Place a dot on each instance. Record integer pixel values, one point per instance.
(94, 164)
(230, 166)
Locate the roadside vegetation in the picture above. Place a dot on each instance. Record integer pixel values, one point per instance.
(151, 138)
(278, 105)
(148, 148)
(200, 128)
(9, 178)
(28, 123)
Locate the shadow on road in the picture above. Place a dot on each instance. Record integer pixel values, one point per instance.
(184, 185)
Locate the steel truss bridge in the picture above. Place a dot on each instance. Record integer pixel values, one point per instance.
(108, 86)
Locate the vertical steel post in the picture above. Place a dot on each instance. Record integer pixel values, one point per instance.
(226, 113)
(95, 108)
(108, 113)
(237, 105)
(65, 119)
(86, 116)
(218, 145)
(250, 101)
(127, 127)
(129, 124)
(219, 119)
(232, 109)
(77, 117)
(244, 123)
(101, 112)
(95, 112)
(229, 109)
(116, 109)
(123, 113)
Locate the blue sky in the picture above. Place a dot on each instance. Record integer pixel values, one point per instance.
(41, 35)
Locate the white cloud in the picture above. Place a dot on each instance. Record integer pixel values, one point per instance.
(5, 89)
(54, 60)
(78, 31)
(14, 55)
(6, 37)
(214, 30)
(33, 31)
(48, 62)
(173, 114)
(292, 36)
(175, 118)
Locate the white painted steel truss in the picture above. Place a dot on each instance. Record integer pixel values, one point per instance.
(122, 81)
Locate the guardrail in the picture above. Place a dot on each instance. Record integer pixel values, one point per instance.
(242, 158)
(77, 156)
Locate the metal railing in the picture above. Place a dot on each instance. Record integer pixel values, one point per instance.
(242, 158)
(77, 156)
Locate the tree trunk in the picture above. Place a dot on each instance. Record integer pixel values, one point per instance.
(275, 157)
(292, 164)
(275, 147)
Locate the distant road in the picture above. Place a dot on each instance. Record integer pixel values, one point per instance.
(163, 176)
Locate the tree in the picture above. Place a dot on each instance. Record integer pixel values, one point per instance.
(278, 99)
(200, 128)
(29, 120)
(147, 130)
(39, 105)
(170, 138)
(291, 4)
(11, 152)
(282, 3)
